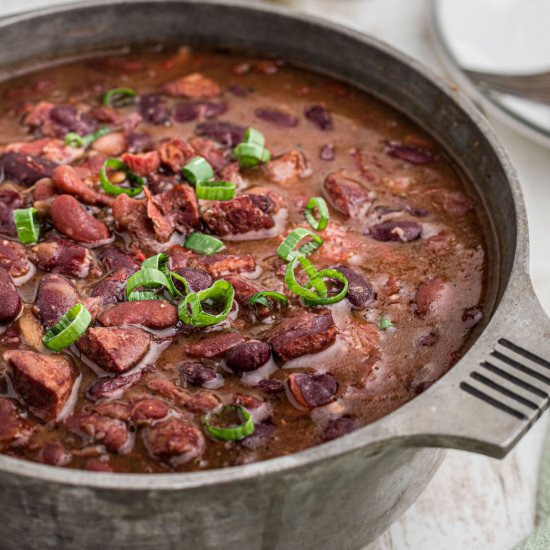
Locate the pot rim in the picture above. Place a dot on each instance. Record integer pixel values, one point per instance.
(364, 437)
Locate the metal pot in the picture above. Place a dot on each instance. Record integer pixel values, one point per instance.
(341, 494)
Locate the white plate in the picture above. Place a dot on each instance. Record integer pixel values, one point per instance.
(501, 36)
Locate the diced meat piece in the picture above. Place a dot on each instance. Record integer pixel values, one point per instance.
(115, 349)
(284, 170)
(244, 290)
(428, 293)
(10, 301)
(113, 433)
(203, 401)
(44, 382)
(276, 117)
(346, 195)
(115, 259)
(216, 345)
(105, 114)
(25, 169)
(232, 173)
(174, 441)
(219, 265)
(10, 200)
(112, 388)
(265, 199)
(262, 433)
(51, 149)
(180, 208)
(148, 409)
(153, 109)
(143, 164)
(224, 132)
(180, 256)
(360, 292)
(197, 374)
(306, 333)
(175, 154)
(54, 297)
(63, 119)
(131, 216)
(114, 409)
(207, 149)
(313, 390)
(13, 429)
(155, 314)
(13, 258)
(53, 453)
(337, 427)
(197, 279)
(39, 113)
(238, 215)
(456, 203)
(408, 153)
(327, 152)
(192, 85)
(63, 257)
(70, 218)
(112, 144)
(320, 116)
(161, 226)
(396, 230)
(248, 356)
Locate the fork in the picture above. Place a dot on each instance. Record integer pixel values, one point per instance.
(533, 86)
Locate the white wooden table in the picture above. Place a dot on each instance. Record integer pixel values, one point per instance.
(473, 502)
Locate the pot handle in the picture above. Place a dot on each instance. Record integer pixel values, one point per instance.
(489, 400)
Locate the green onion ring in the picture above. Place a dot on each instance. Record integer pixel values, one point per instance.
(232, 433)
(203, 244)
(160, 262)
(325, 301)
(27, 225)
(215, 190)
(250, 154)
(175, 292)
(286, 250)
(254, 137)
(221, 289)
(72, 139)
(143, 295)
(322, 209)
(68, 329)
(315, 280)
(198, 169)
(264, 296)
(133, 179)
(119, 97)
(148, 277)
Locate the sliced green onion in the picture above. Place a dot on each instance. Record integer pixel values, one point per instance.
(265, 296)
(286, 250)
(254, 137)
(143, 295)
(250, 154)
(135, 181)
(385, 323)
(174, 289)
(314, 279)
(198, 170)
(160, 262)
(68, 329)
(74, 140)
(148, 277)
(326, 300)
(322, 210)
(203, 244)
(215, 190)
(118, 97)
(27, 225)
(220, 291)
(231, 433)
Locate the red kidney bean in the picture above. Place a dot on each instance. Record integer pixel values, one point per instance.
(54, 297)
(327, 152)
(137, 142)
(25, 169)
(360, 292)
(66, 118)
(10, 200)
(10, 301)
(153, 109)
(262, 432)
(279, 118)
(156, 314)
(226, 133)
(313, 390)
(337, 427)
(270, 386)
(197, 279)
(54, 454)
(320, 117)
(112, 388)
(70, 218)
(197, 374)
(395, 230)
(248, 356)
(412, 155)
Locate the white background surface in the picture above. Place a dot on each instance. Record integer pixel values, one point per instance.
(473, 502)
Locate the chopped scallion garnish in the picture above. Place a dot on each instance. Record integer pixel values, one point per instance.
(136, 182)
(197, 170)
(385, 323)
(203, 244)
(286, 250)
(215, 190)
(219, 296)
(251, 151)
(322, 211)
(160, 262)
(263, 298)
(230, 433)
(149, 278)
(27, 225)
(118, 97)
(68, 329)
(75, 140)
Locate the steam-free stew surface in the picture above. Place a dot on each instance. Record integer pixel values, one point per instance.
(132, 394)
